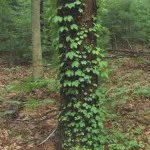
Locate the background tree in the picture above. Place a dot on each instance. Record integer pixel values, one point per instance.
(15, 31)
(36, 40)
(127, 21)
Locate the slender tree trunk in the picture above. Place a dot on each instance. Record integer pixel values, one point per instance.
(36, 40)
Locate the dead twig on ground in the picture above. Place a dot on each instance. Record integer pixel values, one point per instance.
(49, 135)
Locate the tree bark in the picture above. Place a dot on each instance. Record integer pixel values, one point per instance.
(36, 41)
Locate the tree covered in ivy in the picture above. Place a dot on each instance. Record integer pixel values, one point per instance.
(80, 66)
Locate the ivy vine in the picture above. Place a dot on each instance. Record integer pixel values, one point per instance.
(81, 64)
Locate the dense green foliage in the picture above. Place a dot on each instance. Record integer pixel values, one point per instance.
(122, 21)
(15, 30)
(127, 20)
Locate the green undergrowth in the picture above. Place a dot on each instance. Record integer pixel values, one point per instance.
(30, 85)
(128, 86)
(29, 103)
(24, 90)
(120, 133)
(33, 103)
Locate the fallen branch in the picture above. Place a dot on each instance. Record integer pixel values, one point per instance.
(50, 135)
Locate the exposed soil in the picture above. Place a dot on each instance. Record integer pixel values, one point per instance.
(24, 129)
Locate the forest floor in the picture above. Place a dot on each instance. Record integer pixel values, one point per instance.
(28, 117)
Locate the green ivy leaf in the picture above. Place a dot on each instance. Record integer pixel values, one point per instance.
(77, 105)
(58, 19)
(79, 42)
(73, 45)
(82, 124)
(69, 73)
(77, 2)
(75, 83)
(67, 83)
(71, 5)
(68, 38)
(74, 26)
(80, 10)
(78, 73)
(71, 55)
(75, 64)
(83, 62)
(81, 79)
(68, 18)
(63, 28)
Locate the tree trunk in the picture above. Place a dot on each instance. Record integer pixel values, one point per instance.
(84, 20)
(76, 88)
(36, 41)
